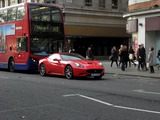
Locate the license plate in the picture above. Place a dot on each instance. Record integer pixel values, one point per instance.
(95, 74)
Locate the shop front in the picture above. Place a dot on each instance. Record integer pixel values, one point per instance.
(102, 39)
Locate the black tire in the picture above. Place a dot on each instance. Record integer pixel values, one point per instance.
(11, 65)
(68, 72)
(42, 70)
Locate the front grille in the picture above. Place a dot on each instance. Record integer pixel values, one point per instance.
(94, 71)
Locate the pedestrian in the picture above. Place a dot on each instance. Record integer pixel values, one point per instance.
(89, 54)
(119, 52)
(158, 56)
(114, 54)
(140, 57)
(150, 59)
(124, 58)
(143, 57)
(131, 56)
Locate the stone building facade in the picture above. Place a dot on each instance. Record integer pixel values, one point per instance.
(143, 23)
(99, 23)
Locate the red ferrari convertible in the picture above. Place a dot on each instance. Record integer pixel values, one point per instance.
(70, 65)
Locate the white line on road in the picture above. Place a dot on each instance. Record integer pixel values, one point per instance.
(147, 92)
(3, 77)
(112, 105)
(70, 95)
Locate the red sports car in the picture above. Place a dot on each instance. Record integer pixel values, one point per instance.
(70, 65)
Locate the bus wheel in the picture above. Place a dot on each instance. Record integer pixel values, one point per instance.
(42, 70)
(11, 65)
(68, 72)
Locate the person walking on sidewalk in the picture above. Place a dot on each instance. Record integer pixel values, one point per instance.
(158, 56)
(89, 54)
(114, 54)
(131, 56)
(144, 57)
(150, 59)
(141, 56)
(119, 52)
(124, 57)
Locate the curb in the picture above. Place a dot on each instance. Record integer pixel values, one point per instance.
(135, 75)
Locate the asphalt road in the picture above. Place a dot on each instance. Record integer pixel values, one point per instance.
(25, 96)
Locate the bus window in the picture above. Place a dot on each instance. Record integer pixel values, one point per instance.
(3, 16)
(49, 14)
(56, 17)
(22, 44)
(20, 13)
(45, 16)
(11, 14)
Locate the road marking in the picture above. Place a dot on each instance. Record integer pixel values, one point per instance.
(96, 100)
(147, 92)
(112, 105)
(3, 77)
(70, 95)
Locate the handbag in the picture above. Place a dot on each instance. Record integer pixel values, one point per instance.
(131, 56)
(111, 57)
(148, 64)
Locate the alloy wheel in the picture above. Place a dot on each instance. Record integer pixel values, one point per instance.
(69, 72)
(42, 70)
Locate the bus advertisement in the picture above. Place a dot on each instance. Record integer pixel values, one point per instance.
(29, 32)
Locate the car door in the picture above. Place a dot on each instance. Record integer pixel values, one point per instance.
(55, 64)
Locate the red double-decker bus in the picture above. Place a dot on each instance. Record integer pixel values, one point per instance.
(29, 32)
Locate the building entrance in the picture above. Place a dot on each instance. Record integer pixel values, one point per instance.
(101, 45)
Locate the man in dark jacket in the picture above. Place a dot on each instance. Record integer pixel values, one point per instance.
(141, 57)
(89, 54)
(144, 57)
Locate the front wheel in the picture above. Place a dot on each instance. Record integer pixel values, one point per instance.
(11, 65)
(68, 72)
(42, 70)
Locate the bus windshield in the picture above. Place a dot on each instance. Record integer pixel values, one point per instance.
(42, 46)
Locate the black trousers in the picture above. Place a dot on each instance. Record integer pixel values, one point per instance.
(116, 61)
(151, 69)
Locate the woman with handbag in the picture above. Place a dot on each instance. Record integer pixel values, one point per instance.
(150, 59)
(131, 56)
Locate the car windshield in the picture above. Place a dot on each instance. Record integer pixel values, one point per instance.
(74, 56)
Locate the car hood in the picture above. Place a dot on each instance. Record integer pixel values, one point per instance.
(88, 62)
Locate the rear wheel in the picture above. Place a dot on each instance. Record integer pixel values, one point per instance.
(68, 72)
(11, 65)
(42, 70)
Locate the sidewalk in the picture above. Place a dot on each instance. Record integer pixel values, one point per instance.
(130, 71)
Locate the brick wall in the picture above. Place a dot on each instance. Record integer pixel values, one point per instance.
(143, 5)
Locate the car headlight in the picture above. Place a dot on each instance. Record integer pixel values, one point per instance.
(100, 64)
(79, 65)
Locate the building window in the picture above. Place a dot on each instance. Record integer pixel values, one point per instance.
(50, 1)
(9, 2)
(19, 1)
(88, 2)
(3, 3)
(114, 4)
(102, 3)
